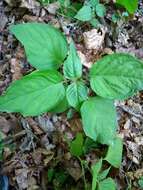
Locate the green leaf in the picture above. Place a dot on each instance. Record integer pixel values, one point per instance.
(72, 65)
(94, 3)
(60, 178)
(44, 2)
(76, 93)
(100, 10)
(117, 76)
(34, 94)
(107, 184)
(130, 5)
(99, 119)
(65, 3)
(84, 14)
(95, 171)
(61, 107)
(114, 154)
(103, 174)
(95, 23)
(140, 182)
(76, 146)
(51, 173)
(89, 144)
(45, 46)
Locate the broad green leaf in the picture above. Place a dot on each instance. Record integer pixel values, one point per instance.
(76, 146)
(45, 46)
(72, 65)
(76, 93)
(103, 174)
(130, 5)
(61, 107)
(99, 119)
(100, 10)
(34, 94)
(114, 154)
(84, 14)
(94, 3)
(95, 171)
(117, 76)
(107, 184)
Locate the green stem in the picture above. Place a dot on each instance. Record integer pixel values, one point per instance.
(83, 173)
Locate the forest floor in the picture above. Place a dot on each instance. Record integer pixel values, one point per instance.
(36, 151)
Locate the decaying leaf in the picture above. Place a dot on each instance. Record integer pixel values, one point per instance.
(94, 39)
(84, 60)
(22, 178)
(15, 69)
(53, 7)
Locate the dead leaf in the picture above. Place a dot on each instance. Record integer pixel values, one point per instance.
(29, 4)
(45, 124)
(53, 7)
(94, 39)
(15, 69)
(49, 157)
(5, 125)
(135, 151)
(33, 124)
(139, 140)
(74, 169)
(84, 60)
(22, 178)
(3, 20)
(32, 184)
(46, 143)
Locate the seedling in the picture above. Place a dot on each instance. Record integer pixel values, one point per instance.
(114, 77)
(100, 180)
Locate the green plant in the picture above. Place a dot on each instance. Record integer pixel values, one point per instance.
(140, 182)
(114, 77)
(91, 11)
(130, 6)
(100, 180)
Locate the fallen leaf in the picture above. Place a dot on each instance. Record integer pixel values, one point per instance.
(53, 7)
(84, 60)
(22, 178)
(15, 69)
(94, 39)
(5, 125)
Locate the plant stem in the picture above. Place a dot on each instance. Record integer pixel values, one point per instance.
(83, 173)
